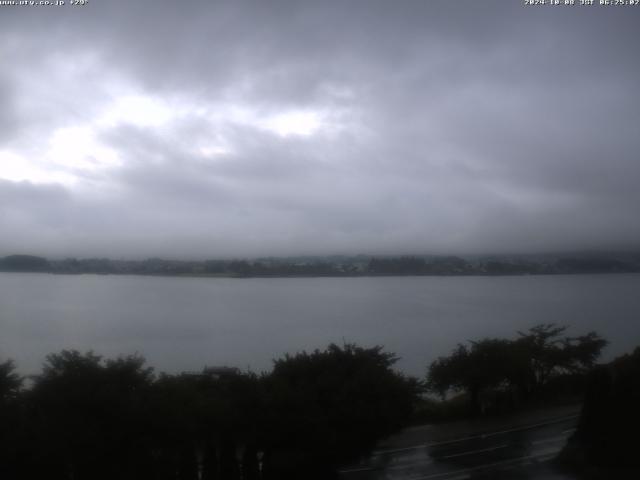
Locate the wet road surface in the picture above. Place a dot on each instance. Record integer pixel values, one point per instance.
(522, 450)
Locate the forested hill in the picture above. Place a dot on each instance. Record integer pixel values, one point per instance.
(333, 266)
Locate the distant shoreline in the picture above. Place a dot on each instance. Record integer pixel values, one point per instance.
(333, 266)
(364, 275)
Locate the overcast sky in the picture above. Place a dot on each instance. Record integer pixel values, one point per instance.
(231, 128)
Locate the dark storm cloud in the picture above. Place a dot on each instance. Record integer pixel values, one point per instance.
(432, 126)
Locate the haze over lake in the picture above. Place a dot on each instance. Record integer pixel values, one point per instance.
(186, 323)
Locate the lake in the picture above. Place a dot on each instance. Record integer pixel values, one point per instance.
(186, 323)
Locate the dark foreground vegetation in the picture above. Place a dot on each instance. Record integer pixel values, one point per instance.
(89, 418)
(606, 442)
(85, 417)
(539, 368)
(334, 266)
(496, 375)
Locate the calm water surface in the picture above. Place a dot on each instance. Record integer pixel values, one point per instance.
(186, 323)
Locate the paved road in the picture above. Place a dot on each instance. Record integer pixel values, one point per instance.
(508, 451)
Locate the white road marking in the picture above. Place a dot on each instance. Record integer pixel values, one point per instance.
(404, 466)
(351, 470)
(471, 452)
(420, 463)
(473, 437)
(377, 453)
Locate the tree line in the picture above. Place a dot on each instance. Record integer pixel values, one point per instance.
(85, 417)
(325, 266)
(88, 417)
(496, 373)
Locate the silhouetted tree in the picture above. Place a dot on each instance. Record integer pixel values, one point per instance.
(330, 406)
(549, 354)
(216, 423)
(10, 431)
(605, 444)
(485, 364)
(10, 381)
(89, 417)
(525, 365)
